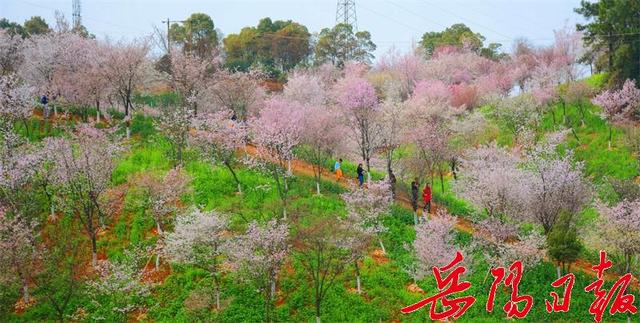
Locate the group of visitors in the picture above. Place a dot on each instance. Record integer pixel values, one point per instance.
(426, 192)
(337, 168)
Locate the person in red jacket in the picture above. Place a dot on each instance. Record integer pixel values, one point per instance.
(426, 197)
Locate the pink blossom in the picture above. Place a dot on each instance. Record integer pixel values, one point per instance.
(368, 206)
(259, 255)
(434, 243)
(18, 251)
(621, 104)
(15, 99)
(306, 89)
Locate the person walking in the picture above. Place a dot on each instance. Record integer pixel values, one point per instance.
(44, 100)
(338, 169)
(414, 200)
(426, 197)
(360, 172)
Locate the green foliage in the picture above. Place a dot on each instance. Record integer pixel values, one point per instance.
(590, 143)
(164, 99)
(276, 46)
(610, 30)
(459, 35)
(562, 241)
(341, 44)
(36, 25)
(597, 81)
(197, 34)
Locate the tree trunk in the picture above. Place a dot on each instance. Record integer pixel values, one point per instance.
(94, 251)
(157, 261)
(610, 135)
(442, 182)
(158, 227)
(318, 187)
(52, 209)
(358, 286)
(559, 271)
(217, 298)
(25, 290)
(235, 176)
(415, 218)
(384, 251)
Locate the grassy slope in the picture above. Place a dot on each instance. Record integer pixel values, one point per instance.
(384, 283)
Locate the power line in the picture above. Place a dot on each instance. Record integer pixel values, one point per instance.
(121, 27)
(470, 21)
(392, 19)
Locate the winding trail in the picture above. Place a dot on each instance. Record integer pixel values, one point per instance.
(303, 168)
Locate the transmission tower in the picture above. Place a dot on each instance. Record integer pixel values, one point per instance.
(346, 13)
(77, 19)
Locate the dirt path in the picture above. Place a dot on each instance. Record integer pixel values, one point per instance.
(300, 167)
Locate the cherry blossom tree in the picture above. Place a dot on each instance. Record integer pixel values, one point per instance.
(323, 251)
(357, 242)
(555, 185)
(517, 113)
(276, 132)
(575, 94)
(359, 103)
(406, 70)
(619, 105)
(175, 123)
(18, 251)
(199, 239)
(220, 137)
(239, 92)
(20, 165)
(432, 150)
(369, 206)
(501, 244)
(490, 179)
(10, 52)
(620, 224)
(306, 89)
(41, 59)
(119, 288)
(163, 193)
(82, 167)
(189, 76)
(126, 67)
(322, 136)
(15, 100)
(259, 255)
(434, 243)
(392, 129)
(80, 78)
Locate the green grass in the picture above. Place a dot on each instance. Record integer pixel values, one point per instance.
(590, 143)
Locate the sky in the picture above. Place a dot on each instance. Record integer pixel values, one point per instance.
(394, 24)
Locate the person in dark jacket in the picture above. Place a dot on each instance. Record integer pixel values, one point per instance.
(414, 196)
(426, 197)
(360, 172)
(44, 100)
